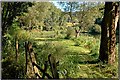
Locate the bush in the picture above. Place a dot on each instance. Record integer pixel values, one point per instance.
(70, 33)
(95, 29)
(11, 69)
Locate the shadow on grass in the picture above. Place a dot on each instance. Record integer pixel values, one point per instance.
(89, 62)
(84, 61)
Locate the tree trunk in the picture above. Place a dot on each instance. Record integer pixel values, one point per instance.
(31, 70)
(53, 66)
(112, 33)
(16, 48)
(103, 56)
(77, 33)
(108, 32)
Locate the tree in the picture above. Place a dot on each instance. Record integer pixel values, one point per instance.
(10, 11)
(54, 18)
(35, 16)
(70, 7)
(43, 15)
(81, 18)
(108, 33)
(86, 16)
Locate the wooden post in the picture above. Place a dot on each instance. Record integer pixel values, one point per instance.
(53, 66)
(43, 71)
(31, 70)
(26, 57)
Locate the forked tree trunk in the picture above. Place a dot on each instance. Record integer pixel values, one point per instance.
(77, 33)
(108, 32)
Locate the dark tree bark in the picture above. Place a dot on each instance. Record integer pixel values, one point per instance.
(108, 32)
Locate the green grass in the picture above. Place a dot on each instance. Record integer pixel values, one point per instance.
(77, 57)
(79, 50)
(68, 44)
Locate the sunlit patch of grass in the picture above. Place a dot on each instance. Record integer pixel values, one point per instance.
(40, 42)
(79, 50)
(44, 39)
(67, 42)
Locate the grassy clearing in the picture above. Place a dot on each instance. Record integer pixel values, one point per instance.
(77, 57)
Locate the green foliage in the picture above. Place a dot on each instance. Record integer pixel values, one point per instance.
(10, 11)
(49, 35)
(70, 33)
(89, 43)
(11, 69)
(95, 29)
(18, 33)
(73, 62)
(8, 49)
(81, 41)
(88, 14)
(35, 15)
(43, 50)
(43, 15)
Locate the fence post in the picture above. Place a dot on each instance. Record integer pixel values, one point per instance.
(31, 70)
(53, 66)
(26, 57)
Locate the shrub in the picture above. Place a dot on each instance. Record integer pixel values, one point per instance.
(11, 69)
(70, 33)
(95, 29)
